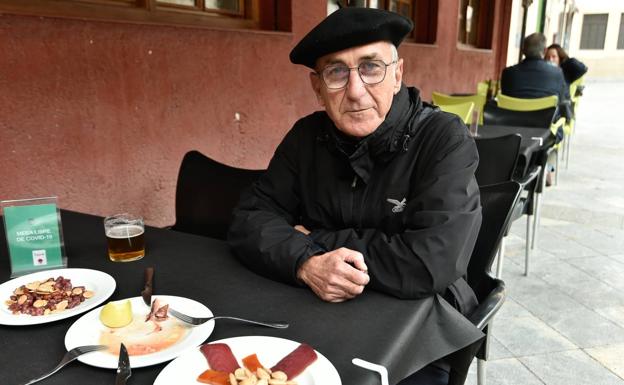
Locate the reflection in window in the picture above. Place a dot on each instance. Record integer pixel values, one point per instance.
(476, 23)
(424, 14)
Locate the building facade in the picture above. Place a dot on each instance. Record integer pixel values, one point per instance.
(101, 99)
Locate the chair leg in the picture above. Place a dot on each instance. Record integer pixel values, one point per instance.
(536, 219)
(481, 371)
(557, 166)
(567, 152)
(527, 246)
(501, 257)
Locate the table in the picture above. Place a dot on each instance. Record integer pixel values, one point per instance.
(534, 142)
(403, 335)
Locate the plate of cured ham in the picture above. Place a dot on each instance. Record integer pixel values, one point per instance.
(149, 341)
(237, 358)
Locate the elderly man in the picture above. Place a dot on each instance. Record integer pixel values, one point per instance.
(375, 192)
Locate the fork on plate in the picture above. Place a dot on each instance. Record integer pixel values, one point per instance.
(67, 358)
(200, 320)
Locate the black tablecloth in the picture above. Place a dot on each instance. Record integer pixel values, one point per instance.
(530, 146)
(403, 335)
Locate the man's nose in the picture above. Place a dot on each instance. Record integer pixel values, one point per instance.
(355, 87)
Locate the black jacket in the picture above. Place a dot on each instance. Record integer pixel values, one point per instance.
(405, 197)
(535, 78)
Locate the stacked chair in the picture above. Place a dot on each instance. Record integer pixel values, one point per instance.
(478, 100)
(534, 181)
(498, 202)
(463, 110)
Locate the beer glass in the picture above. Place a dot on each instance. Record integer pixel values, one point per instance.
(125, 237)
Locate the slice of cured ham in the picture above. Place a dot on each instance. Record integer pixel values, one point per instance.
(214, 377)
(296, 361)
(220, 357)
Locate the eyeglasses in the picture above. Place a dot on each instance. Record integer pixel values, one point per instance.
(336, 76)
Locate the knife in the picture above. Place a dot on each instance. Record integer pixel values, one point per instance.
(123, 367)
(149, 286)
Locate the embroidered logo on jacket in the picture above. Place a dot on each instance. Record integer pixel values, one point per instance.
(398, 206)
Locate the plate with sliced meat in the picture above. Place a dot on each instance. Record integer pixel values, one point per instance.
(238, 358)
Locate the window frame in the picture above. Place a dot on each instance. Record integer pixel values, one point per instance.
(484, 24)
(587, 38)
(620, 41)
(256, 14)
(424, 15)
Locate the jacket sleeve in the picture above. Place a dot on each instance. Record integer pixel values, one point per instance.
(262, 233)
(441, 222)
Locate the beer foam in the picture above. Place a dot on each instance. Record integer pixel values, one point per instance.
(124, 231)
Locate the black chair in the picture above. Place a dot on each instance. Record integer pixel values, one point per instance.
(497, 202)
(494, 115)
(206, 193)
(497, 162)
(544, 118)
(497, 158)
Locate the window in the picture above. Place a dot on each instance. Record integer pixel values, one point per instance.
(255, 14)
(476, 23)
(594, 31)
(620, 44)
(424, 14)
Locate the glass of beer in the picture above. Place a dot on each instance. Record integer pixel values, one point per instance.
(125, 237)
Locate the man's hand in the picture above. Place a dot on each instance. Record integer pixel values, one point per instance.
(335, 276)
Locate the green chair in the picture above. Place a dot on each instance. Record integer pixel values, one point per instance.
(482, 88)
(444, 99)
(463, 110)
(569, 128)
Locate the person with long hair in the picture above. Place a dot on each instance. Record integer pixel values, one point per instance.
(572, 68)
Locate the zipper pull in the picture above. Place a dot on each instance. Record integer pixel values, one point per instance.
(355, 178)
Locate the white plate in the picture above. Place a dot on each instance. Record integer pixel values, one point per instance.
(185, 369)
(88, 328)
(98, 282)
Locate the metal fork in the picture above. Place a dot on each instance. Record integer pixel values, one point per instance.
(199, 320)
(67, 358)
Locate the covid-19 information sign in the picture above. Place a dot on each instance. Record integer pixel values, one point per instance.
(34, 235)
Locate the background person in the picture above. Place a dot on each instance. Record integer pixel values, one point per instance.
(572, 68)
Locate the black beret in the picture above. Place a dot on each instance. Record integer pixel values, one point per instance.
(350, 27)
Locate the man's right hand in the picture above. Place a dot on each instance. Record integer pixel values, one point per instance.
(335, 276)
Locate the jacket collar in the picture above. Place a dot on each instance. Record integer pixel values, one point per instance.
(391, 135)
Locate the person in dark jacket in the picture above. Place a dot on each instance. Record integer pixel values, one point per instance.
(534, 77)
(375, 192)
(572, 68)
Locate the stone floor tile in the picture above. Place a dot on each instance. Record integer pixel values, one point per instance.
(498, 350)
(511, 309)
(610, 357)
(604, 268)
(508, 371)
(529, 335)
(570, 367)
(615, 314)
(584, 327)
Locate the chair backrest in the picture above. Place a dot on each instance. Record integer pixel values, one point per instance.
(439, 98)
(497, 158)
(206, 193)
(521, 104)
(495, 115)
(497, 203)
(482, 88)
(463, 110)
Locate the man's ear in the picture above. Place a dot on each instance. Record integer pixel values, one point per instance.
(315, 81)
(398, 76)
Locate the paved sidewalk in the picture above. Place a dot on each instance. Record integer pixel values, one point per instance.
(564, 323)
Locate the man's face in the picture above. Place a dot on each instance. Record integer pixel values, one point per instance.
(358, 108)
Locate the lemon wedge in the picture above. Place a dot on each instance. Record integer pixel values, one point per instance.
(116, 314)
